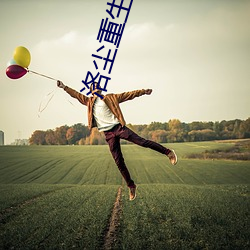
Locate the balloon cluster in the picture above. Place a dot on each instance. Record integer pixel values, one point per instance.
(18, 65)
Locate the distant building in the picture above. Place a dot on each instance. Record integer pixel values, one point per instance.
(1, 138)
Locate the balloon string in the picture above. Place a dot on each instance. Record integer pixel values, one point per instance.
(71, 103)
(50, 96)
(41, 75)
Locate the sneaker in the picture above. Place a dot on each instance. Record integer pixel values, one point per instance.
(132, 193)
(172, 157)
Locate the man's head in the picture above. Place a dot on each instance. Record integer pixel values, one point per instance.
(93, 88)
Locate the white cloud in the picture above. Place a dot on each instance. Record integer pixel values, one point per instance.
(137, 31)
(68, 41)
(71, 50)
(69, 38)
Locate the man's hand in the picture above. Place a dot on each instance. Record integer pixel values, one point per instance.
(60, 84)
(148, 91)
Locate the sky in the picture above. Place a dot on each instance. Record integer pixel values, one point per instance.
(194, 54)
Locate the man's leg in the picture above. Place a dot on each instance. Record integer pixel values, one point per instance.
(115, 149)
(129, 135)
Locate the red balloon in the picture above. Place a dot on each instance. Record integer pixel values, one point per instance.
(15, 71)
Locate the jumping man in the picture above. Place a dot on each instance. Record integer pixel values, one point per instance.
(105, 114)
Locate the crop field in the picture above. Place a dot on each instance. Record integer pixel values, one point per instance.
(73, 197)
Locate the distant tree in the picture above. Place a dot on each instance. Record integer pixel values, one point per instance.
(96, 137)
(244, 129)
(185, 130)
(70, 135)
(157, 126)
(77, 132)
(229, 129)
(229, 125)
(196, 126)
(86, 141)
(38, 138)
(50, 137)
(217, 129)
(175, 133)
(145, 133)
(82, 142)
(60, 134)
(82, 131)
(139, 128)
(175, 124)
(159, 135)
(202, 135)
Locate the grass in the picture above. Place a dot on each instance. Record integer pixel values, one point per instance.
(187, 217)
(57, 165)
(65, 218)
(61, 197)
(240, 150)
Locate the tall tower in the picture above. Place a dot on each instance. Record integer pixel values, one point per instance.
(1, 138)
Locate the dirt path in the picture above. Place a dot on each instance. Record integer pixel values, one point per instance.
(111, 235)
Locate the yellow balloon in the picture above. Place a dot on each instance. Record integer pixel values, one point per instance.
(22, 56)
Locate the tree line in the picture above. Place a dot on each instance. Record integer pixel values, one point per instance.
(172, 131)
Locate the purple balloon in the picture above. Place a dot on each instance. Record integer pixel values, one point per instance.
(15, 71)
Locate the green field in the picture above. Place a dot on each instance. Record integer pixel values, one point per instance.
(62, 197)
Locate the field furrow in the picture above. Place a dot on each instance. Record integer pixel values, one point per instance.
(66, 218)
(9, 212)
(186, 217)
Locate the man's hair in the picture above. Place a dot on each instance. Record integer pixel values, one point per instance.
(91, 86)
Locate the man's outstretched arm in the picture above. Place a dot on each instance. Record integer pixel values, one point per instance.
(132, 94)
(80, 97)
